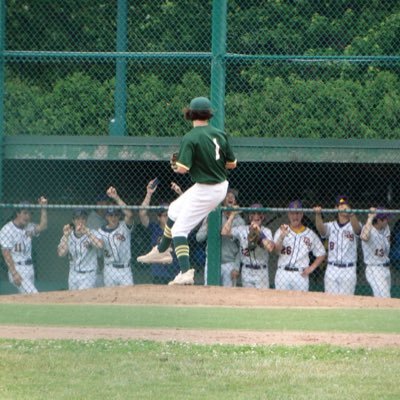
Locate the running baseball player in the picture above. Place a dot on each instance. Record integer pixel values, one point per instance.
(116, 236)
(16, 246)
(342, 234)
(205, 153)
(375, 241)
(293, 243)
(81, 244)
(254, 252)
(230, 248)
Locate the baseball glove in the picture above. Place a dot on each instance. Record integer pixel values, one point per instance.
(253, 238)
(173, 160)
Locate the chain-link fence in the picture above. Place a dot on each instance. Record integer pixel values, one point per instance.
(309, 90)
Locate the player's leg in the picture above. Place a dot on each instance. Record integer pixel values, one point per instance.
(300, 282)
(126, 277)
(88, 280)
(248, 280)
(262, 279)
(281, 279)
(382, 281)
(373, 279)
(226, 274)
(108, 273)
(348, 281)
(330, 280)
(200, 199)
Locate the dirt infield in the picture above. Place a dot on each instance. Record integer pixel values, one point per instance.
(203, 296)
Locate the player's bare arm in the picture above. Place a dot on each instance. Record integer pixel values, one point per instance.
(143, 215)
(355, 224)
(43, 215)
(11, 267)
(231, 164)
(176, 188)
(319, 223)
(284, 230)
(113, 194)
(366, 231)
(317, 262)
(227, 228)
(62, 248)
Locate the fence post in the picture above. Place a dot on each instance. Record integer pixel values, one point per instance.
(214, 248)
(218, 49)
(118, 123)
(2, 88)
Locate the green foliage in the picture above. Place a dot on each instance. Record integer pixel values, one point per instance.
(271, 99)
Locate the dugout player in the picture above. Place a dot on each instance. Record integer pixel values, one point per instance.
(16, 246)
(341, 271)
(81, 244)
(230, 248)
(116, 236)
(254, 257)
(375, 241)
(293, 243)
(205, 153)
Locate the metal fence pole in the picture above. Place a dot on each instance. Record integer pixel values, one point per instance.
(214, 248)
(2, 61)
(219, 22)
(118, 123)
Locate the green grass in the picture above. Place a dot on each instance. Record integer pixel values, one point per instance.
(343, 320)
(147, 370)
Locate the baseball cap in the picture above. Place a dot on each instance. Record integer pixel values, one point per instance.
(200, 104)
(24, 205)
(382, 215)
(295, 204)
(112, 211)
(341, 199)
(79, 212)
(101, 197)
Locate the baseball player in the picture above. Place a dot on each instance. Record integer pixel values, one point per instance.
(375, 241)
(293, 243)
(81, 244)
(205, 153)
(16, 246)
(341, 272)
(230, 248)
(161, 273)
(254, 255)
(116, 236)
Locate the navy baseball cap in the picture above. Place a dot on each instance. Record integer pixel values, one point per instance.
(101, 197)
(382, 215)
(256, 205)
(200, 104)
(79, 213)
(295, 204)
(113, 211)
(342, 199)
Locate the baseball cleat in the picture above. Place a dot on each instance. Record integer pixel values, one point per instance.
(186, 278)
(155, 257)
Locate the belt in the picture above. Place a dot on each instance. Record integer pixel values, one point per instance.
(341, 265)
(379, 265)
(84, 272)
(255, 266)
(27, 262)
(293, 269)
(119, 266)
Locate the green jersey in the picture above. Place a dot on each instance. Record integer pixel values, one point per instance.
(204, 152)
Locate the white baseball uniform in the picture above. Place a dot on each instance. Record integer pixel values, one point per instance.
(19, 242)
(254, 262)
(294, 258)
(117, 255)
(376, 258)
(230, 257)
(341, 272)
(82, 261)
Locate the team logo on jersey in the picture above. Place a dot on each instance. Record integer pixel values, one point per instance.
(349, 235)
(307, 242)
(120, 237)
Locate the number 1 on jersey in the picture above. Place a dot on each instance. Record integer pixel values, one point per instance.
(217, 156)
